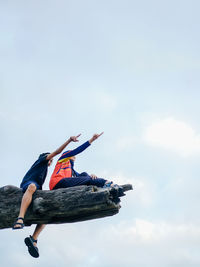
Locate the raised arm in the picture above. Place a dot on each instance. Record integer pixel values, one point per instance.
(79, 149)
(75, 151)
(94, 137)
(60, 149)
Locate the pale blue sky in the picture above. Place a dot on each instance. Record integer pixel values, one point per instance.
(130, 69)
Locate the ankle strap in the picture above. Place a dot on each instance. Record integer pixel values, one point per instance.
(35, 241)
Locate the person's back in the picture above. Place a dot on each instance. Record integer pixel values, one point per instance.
(37, 173)
(62, 170)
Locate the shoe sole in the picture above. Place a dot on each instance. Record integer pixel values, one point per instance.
(31, 248)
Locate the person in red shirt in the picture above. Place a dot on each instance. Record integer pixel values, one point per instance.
(65, 176)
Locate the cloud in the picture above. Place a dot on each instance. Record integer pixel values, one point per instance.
(173, 135)
(158, 243)
(141, 231)
(125, 243)
(109, 242)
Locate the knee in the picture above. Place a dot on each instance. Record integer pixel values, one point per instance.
(32, 188)
(84, 174)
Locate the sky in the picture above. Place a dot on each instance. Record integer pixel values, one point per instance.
(128, 68)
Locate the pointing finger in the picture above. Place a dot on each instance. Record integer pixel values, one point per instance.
(101, 133)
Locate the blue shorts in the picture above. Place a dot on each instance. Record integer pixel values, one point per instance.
(25, 185)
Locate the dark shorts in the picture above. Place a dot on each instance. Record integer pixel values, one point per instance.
(26, 184)
(80, 180)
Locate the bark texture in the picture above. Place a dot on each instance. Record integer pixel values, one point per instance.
(67, 205)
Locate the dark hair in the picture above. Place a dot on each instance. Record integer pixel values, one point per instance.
(43, 155)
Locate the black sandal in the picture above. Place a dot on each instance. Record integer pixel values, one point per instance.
(33, 250)
(17, 223)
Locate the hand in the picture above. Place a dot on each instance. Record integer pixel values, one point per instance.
(74, 138)
(93, 176)
(95, 136)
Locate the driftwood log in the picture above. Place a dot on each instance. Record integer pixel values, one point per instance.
(67, 205)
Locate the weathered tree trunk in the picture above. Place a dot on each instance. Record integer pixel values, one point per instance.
(67, 205)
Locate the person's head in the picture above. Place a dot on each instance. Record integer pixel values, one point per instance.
(44, 155)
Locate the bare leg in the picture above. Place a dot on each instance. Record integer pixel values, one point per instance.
(31, 242)
(26, 201)
(38, 230)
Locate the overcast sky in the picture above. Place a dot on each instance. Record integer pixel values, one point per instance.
(130, 69)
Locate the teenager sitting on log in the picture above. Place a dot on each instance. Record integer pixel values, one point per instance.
(65, 176)
(33, 180)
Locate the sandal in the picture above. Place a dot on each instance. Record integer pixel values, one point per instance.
(33, 250)
(17, 223)
(108, 184)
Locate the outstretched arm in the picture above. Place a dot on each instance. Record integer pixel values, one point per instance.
(79, 149)
(94, 137)
(60, 149)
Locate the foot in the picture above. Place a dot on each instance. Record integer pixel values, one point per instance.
(19, 224)
(108, 184)
(31, 243)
